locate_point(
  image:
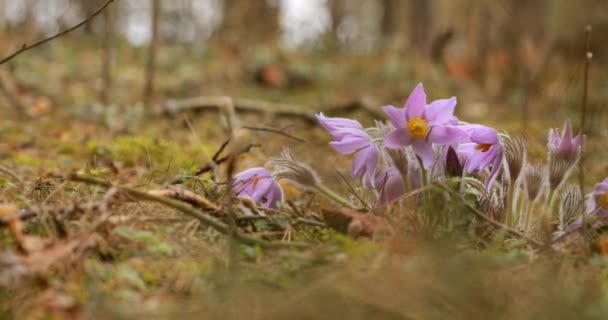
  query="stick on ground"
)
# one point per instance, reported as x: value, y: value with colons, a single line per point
x: 189, y: 211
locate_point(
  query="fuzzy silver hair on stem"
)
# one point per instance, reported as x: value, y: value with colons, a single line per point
x: 534, y: 175
x: 287, y: 167
x: 515, y: 154
x: 571, y: 206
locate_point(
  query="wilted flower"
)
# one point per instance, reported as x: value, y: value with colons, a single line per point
x: 350, y: 137
x: 483, y: 150
x: 564, y: 151
x: 420, y: 125
x: 599, y: 198
x: 389, y: 184
x: 258, y: 184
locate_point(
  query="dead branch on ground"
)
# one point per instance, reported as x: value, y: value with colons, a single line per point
x: 306, y: 113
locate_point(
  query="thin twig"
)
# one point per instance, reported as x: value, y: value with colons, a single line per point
x: 188, y: 210
x: 186, y: 196
x: 8, y: 172
x: 485, y: 217
x: 588, y: 57
x: 26, y: 47
x: 274, y: 130
x: 353, y: 191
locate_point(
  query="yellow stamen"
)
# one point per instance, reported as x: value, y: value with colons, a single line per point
x: 418, y: 127
x: 484, y: 147
x: 602, y: 200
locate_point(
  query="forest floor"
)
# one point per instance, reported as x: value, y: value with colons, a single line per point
x: 147, y: 260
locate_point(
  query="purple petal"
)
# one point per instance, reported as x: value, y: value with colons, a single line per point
x: 416, y: 103
x: 566, y: 143
x: 258, y: 184
x: 425, y: 151
x: 601, y: 187
x: 481, y: 134
x: 390, y: 186
x: 496, y: 167
x: 440, y: 111
x: 396, y: 115
x: 335, y: 126
x: 350, y: 144
x: 398, y: 139
x: 447, y: 135
x: 365, y: 163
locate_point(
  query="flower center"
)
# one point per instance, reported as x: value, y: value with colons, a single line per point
x: 602, y: 201
x: 484, y: 147
x: 418, y: 127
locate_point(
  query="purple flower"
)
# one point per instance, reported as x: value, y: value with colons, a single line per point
x: 599, y: 198
x: 389, y: 185
x: 258, y: 184
x: 350, y: 137
x: 483, y: 150
x: 565, y: 145
x: 420, y: 125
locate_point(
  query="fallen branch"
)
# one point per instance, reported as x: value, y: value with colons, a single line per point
x: 25, y: 47
x: 186, y: 196
x: 190, y: 211
x: 306, y: 113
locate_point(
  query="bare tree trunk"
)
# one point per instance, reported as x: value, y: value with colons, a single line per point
x: 248, y: 22
x: 151, y: 65
x: 420, y: 24
x: 106, y: 65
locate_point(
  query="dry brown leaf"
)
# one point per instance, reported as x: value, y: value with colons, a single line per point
x: 353, y: 223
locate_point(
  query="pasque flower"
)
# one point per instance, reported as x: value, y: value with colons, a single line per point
x: 564, y: 151
x: 565, y: 145
x: 420, y: 125
x: 599, y: 198
x: 350, y: 137
x: 258, y: 184
x: 483, y: 150
x: 389, y: 184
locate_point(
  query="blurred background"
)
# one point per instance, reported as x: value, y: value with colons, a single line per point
x: 514, y: 64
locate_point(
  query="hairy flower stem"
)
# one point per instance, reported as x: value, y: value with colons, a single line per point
x: 528, y: 215
x: 550, y: 197
x: 331, y: 195
x: 509, y: 208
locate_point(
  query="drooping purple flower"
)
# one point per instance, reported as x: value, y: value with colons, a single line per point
x: 420, y: 125
x: 565, y: 146
x: 599, y: 198
x: 258, y: 184
x: 350, y: 137
x: 483, y: 150
x: 389, y: 184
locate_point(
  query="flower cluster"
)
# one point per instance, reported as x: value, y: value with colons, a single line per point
x: 420, y: 132
x: 423, y: 143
